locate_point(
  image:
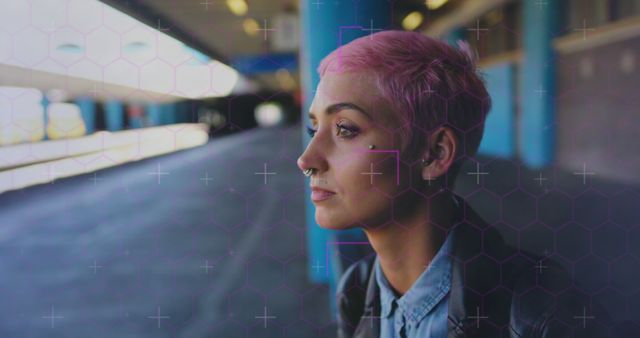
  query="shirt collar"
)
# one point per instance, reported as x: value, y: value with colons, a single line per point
x: 425, y: 293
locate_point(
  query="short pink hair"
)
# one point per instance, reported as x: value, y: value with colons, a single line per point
x: 426, y: 81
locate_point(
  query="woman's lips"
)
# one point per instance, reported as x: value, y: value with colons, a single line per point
x: 320, y: 194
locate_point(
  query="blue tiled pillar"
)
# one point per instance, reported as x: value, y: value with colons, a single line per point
x: 324, y: 25
x: 453, y: 36
x: 45, y: 105
x: 536, y: 128
x: 88, y: 110
x: 169, y: 113
x: 114, y: 115
x: 154, y: 114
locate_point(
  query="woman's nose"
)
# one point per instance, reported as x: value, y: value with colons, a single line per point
x: 304, y: 161
x: 310, y: 158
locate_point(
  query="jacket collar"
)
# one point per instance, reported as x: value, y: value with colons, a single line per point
x: 428, y: 290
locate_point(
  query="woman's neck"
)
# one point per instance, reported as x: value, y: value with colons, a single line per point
x: 407, y: 248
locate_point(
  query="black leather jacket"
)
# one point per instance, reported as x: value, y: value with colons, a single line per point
x: 496, y: 291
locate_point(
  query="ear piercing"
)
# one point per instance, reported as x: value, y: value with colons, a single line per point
x: 372, y: 146
x: 425, y: 162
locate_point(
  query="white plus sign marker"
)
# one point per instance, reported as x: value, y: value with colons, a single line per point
x: 317, y: 266
x: 317, y: 4
x: 584, y: 173
x: 371, y: 318
x: 159, y: 173
x: 540, y: 91
x: 206, y: 178
x: 206, y: 4
x: 371, y: 29
x: 540, y: 179
x: 52, y: 317
x: 95, y: 267
x: 429, y: 90
x: 477, y: 317
x: 159, y: 317
x: 265, y: 29
x: 584, y: 29
x: 429, y: 178
x: 265, y: 173
x: 371, y: 173
x: 53, y: 174
x: 52, y: 29
x: 477, y: 173
x: 95, y: 179
x: 584, y: 317
x: 540, y: 4
x: 265, y: 317
x: 477, y: 29
x: 95, y: 91
x: 206, y: 266
x: 160, y: 28
x: 539, y: 266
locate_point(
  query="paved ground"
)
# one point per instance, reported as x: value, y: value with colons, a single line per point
x: 209, y: 255
x: 207, y: 247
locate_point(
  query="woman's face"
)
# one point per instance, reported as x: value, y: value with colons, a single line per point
x: 347, y: 115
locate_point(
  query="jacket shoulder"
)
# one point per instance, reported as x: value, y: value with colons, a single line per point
x: 547, y: 303
x: 350, y: 295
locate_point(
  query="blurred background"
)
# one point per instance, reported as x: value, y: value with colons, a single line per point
x: 148, y: 177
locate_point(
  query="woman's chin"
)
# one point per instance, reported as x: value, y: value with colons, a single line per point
x: 332, y: 224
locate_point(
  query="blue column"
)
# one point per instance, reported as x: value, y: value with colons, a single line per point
x: 324, y: 24
x: 88, y: 110
x: 154, y: 114
x: 45, y: 105
x: 536, y: 127
x: 183, y: 111
x: 499, y: 127
x: 114, y: 115
x: 454, y: 35
x: 169, y: 113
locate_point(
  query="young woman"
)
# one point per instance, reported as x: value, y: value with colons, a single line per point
x: 394, y: 116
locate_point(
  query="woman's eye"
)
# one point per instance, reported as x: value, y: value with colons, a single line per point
x: 343, y: 131
x: 310, y: 131
x: 346, y: 132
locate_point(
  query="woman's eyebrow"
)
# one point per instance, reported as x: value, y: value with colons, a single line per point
x: 336, y: 107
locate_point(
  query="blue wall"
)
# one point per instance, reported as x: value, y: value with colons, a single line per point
x: 499, y: 133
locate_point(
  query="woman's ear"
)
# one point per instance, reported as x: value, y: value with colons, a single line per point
x: 440, y: 153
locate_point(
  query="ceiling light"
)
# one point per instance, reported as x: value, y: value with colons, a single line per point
x: 412, y: 21
x: 435, y: 4
x: 269, y: 114
x: 238, y: 7
x: 70, y: 48
x: 136, y: 46
x: 250, y: 26
x: 285, y: 80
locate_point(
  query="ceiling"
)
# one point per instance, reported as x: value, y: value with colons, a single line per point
x: 210, y: 27
x: 57, y: 49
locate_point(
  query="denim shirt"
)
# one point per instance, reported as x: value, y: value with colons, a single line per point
x: 422, y: 311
